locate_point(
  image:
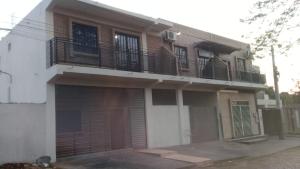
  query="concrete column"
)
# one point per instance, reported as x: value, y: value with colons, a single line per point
x: 145, y: 49
x: 261, y: 123
x: 181, y: 115
x: 50, y: 123
x: 148, y: 107
x: 219, y: 118
x: 296, y: 112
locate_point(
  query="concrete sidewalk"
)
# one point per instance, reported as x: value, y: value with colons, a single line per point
x: 216, y: 151
x: 229, y: 150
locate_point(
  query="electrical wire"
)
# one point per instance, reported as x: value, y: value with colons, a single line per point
x: 50, y: 28
x: 58, y: 26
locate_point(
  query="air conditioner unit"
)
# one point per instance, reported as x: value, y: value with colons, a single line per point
x: 170, y: 36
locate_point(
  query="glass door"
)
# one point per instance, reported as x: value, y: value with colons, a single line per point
x: 127, y: 52
x: 241, y: 119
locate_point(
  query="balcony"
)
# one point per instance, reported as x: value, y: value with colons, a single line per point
x: 213, y: 69
x: 251, y: 77
x: 65, y: 51
x: 160, y: 61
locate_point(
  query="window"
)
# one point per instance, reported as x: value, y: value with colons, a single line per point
x: 127, y: 51
x: 242, y: 103
x: 181, y: 53
x: 205, y: 53
x: 9, y: 47
x: 241, y: 64
x: 164, y: 97
x: 85, y: 38
x: 205, y: 63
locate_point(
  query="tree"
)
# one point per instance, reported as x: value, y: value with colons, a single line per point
x: 270, y: 92
x: 274, y: 22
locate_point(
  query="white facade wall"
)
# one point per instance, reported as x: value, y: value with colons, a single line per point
x: 164, y: 126
x: 26, y: 59
x: 22, y: 132
x: 167, y: 125
x: 24, y: 123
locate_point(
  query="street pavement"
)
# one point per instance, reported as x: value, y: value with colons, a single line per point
x: 287, y: 159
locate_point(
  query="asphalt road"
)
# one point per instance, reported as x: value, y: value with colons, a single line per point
x: 288, y: 159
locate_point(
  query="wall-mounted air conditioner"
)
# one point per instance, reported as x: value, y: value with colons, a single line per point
x: 170, y: 36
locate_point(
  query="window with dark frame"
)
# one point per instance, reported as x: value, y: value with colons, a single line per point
x: 85, y: 38
x: 181, y: 53
x: 164, y: 97
x: 205, y: 63
x: 241, y: 64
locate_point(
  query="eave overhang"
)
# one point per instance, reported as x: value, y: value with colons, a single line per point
x: 73, y: 75
x: 216, y: 47
x: 113, y: 14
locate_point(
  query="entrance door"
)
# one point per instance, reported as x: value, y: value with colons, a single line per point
x: 204, y: 125
x: 241, y: 119
x: 127, y: 52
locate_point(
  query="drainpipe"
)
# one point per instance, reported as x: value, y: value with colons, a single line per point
x: 9, y: 87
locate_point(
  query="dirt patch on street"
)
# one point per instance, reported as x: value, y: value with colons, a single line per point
x: 25, y: 166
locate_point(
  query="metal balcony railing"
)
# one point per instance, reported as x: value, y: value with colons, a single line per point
x: 160, y: 61
x: 213, y: 69
x: 251, y: 77
x: 62, y: 50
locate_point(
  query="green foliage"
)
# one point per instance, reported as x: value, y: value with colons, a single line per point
x: 270, y: 91
x: 273, y: 20
x: 290, y: 99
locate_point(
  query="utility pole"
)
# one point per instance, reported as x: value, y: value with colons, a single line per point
x: 277, y: 96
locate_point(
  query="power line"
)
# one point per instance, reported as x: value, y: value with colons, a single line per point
x: 5, y: 29
x: 47, y: 27
x: 58, y: 26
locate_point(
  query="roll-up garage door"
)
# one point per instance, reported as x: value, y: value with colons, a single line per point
x: 203, y: 115
x: 93, y: 119
x: 203, y: 124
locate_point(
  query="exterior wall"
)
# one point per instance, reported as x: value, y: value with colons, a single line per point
x: 167, y: 125
x: 25, y: 134
x: 190, y: 36
x: 22, y: 132
x: 26, y: 60
x: 164, y: 127
x: 225, y: 110
x: 63, y: 19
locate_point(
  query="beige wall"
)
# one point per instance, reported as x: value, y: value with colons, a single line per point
x: 188, y: 38
x: 63, y: 19
x: 224, y: 104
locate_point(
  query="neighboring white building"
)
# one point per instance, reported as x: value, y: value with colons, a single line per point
x: 264, y: 101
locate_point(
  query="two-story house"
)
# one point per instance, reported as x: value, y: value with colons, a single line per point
x: 87, y: 77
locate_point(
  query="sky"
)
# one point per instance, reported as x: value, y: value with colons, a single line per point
x: 215, y: 16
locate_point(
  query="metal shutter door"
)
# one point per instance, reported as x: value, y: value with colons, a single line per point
x: 137, y: 118
x: 94, y: 119
x: 203, y: 124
